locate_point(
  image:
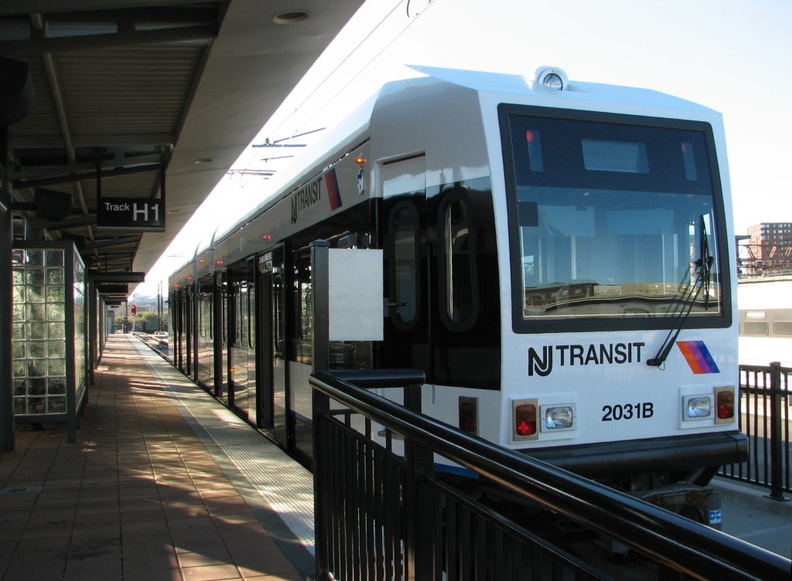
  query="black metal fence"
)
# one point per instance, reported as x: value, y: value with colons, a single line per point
x: 382, y: 515
x: 764, y: 418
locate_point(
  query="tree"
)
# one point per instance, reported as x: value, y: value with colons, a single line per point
x: 146, y: 322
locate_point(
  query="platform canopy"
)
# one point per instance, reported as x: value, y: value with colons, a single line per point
x: 129, y: 91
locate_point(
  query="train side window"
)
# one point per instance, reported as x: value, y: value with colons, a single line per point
x: 249, y: 302
x: 224, y: 323
x: 201, y: 330
x: 303, y: 324
x: 403, y: 291
x: 277, y: 315
x: 458, y: 280
x: 209, y: 315
x: 205, y: 314
x: 241, y: 315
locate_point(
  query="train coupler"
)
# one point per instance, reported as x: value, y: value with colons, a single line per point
x: 698, y: 503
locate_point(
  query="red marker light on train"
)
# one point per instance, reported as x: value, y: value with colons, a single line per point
x: 468, y: 414
x: 525, y: 420
x: 360, y: 160
x: 725, y: 404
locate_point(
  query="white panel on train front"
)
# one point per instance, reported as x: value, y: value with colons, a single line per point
x: 404, y: 176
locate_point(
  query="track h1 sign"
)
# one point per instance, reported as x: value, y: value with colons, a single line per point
x: 134, y: 213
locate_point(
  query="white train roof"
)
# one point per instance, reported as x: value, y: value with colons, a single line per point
x: 506, y: 87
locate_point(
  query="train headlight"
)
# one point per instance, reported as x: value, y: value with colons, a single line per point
x: 718, y: 406
x: 697, y: 407
x: 551, y: 78
x: 558, y: 417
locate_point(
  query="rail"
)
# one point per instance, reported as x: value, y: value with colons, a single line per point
x: 386, y: 515
x: 765, y: 419
x: 158, y: 342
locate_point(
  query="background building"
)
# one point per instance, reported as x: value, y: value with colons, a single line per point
x: 767, y: 250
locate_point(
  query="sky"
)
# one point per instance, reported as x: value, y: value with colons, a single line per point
x: 734, y: 56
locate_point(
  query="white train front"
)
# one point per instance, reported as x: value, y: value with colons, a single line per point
x: 556, y: 258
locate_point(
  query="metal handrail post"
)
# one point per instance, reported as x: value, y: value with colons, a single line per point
x: 776, y: 439
x: 320, y: 359
x: 419, y: 461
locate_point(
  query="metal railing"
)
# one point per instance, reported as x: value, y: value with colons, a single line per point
x: 765, y: 419
x: 387, y: 516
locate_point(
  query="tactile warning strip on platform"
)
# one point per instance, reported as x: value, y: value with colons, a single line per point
x: 276, y: 487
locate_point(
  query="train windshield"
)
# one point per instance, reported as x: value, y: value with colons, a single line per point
x: 611, y: 218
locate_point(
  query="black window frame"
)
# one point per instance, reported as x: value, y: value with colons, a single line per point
x: 467, y: 319
x: 402, y: 323
x: 583, y: 324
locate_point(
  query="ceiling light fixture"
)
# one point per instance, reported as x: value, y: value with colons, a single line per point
x: 291, y: 17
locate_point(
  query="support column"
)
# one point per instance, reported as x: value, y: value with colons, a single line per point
x: 16, y: 95
x: 7, y: 441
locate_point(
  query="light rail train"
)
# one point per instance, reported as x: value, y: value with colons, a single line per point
x: 556, y: 257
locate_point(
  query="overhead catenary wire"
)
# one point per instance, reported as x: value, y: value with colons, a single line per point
x: 327, y: 78
x: 353, y: 51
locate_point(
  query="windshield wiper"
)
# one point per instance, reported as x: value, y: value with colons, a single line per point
x: 703, y: 268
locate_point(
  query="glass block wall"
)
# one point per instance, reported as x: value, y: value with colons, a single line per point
x: 80, y: 329
x: 49, y: 351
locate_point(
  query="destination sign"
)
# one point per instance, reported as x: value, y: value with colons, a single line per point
x: 135, y: 213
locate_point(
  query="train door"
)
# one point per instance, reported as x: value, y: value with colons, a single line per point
x: 407, y: 256
x: 189, y: 316
x: 299, y: 401
x: 221, y: 335
x: 175, y: 309
x: 250, y: 408
x: 271, y: 352
x: 205, y: 333
x: 238, y: 338
x: 241, y: 338
x: 180, y: 328
x: 441, y: 278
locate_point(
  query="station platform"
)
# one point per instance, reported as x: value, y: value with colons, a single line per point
x: 164, y: 482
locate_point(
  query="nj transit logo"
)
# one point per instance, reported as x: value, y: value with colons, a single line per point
x: 698, y: 357
x: 541, y: 363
